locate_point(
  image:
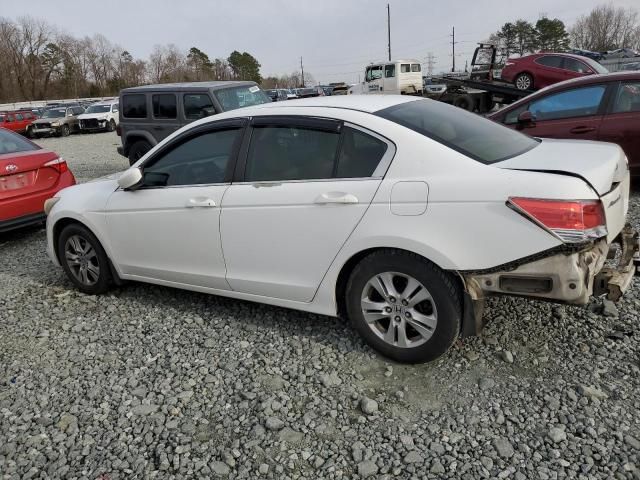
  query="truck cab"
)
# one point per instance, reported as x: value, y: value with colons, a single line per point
x: 399, y: 77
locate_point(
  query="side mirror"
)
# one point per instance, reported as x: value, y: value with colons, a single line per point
x: 526, y: 119
x: 208, y: 111
x: 130, y: 179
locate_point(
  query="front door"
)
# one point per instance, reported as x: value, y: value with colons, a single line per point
x: 306, y: 184
x: 622, y: 123
x: 169, y: 228
x: 572, y: 114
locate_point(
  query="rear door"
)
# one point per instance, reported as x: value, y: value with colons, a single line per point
x: 549, y: 71
x: 303, y: 188
x: 622, y: 121
x: 574, y: 113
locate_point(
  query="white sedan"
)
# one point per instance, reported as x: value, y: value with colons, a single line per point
x: 400, y: 213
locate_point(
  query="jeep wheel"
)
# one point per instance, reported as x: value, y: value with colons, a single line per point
x: 138, y: 150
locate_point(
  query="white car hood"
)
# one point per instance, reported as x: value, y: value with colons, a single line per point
x: 599, y: 164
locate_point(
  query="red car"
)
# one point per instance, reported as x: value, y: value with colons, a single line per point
x: 18, y: 121
x: 598, y: 107
x: 537, y: 71
x: 29, y: 175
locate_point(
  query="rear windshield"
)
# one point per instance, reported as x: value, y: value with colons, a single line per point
x: 470, y: 134
x: 238, y: 97
x: 12, y: 143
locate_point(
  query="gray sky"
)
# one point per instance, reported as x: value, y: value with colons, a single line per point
x: 336, y: 38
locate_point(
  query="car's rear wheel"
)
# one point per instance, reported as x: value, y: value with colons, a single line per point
x: 524, y: 81
x: 404, y: 306
x: 138, y: 150
x: 111, y: 126
x: 83, y: 259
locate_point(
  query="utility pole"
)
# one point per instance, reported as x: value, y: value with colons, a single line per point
x: 389, y: 29
x: 302, y: 68
x: 453, y: 48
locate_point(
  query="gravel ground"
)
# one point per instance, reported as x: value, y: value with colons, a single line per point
x: 150, y: 382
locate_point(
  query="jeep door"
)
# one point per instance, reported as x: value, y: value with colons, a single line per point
x: 164, y: 115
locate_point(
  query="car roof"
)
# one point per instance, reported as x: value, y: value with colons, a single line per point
x: 171, y: 87
x: 362, y: 103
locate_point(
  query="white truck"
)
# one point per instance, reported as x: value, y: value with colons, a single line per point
x: 397, y: 77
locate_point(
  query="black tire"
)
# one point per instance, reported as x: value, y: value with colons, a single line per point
x: 445, y: 296
x: 100, y: 260
x: 111, y: 126
x: 64, y: 131
x: 465, y: 102
x: 138, y: 150
x: 523, y: 81
x: 29, y: 133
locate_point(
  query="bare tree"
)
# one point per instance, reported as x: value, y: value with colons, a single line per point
x: 607, y: 28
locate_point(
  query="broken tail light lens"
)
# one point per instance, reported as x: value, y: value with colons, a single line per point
x: 572, y: 221
x: 59, y: 165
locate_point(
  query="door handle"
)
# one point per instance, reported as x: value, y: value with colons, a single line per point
x: 337, y: 197
x: 157, y: 127
x: 200, y: 202
x: 582, y: 129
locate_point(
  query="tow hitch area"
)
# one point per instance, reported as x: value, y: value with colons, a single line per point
x: 613, y: 281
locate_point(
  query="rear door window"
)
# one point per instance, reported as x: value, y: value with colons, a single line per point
x: 627, y: 98
x: 550, y: 61
x: 134, y: 106
x: 578, y: 102
x: 164, y: 106
x: 281, y: 152
x: 360, y: 154
x: 576, y: 66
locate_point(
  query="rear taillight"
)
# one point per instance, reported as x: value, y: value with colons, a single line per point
x: 570, y: 220
x: 58, y: 164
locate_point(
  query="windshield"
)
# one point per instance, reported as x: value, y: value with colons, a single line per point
x: 238, y: 97
x: 474, y: 136
x: 98, y: 109
x: 13, y: 143
x: 56, y: 113
x: 595, y: 65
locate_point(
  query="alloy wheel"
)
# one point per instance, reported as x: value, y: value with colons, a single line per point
x: 399, y: 309
x: 82, y: 260
x: 523, y: 82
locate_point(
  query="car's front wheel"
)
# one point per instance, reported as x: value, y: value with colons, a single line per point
x: 83, y: 259
x: 404, y: 306
x: 524, y: 81
x: 111, y: 126
x: 64, y: 131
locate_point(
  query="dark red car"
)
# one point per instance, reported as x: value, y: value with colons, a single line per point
x: 540, y: 70
x: 598, y: 107
x: 29, y: 175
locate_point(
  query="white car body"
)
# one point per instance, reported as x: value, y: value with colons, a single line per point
x: 286, y: 243
x: 89, y: 121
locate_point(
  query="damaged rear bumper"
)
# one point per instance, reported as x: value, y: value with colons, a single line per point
x: 566, y: 277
